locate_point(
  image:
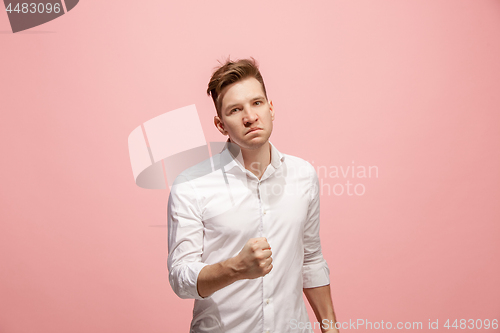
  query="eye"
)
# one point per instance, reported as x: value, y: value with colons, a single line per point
x: 258, y: 103
x: 234, y: 110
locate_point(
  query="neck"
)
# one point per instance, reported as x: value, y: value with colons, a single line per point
x: 257, y: 160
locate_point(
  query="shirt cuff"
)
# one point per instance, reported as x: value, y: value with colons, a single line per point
x: 188, y: 280
x: 315, y: 275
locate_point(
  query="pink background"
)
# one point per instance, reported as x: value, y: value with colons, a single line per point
x: 411, y: 87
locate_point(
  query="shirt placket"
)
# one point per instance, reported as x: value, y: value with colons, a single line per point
x: 267, y: 283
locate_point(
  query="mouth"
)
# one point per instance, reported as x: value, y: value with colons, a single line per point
x: 254, y: 130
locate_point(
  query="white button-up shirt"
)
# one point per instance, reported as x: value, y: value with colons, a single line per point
x: 214, y: 208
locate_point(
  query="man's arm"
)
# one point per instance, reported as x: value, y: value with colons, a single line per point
x: 188, y: 275
x: 253, y: 261
x: 315, y: 271
x: 321, y: 303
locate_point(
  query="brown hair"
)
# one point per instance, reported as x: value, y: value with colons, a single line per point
x: 231, y: 72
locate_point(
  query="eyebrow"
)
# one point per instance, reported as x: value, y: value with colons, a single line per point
x: 229, y: 107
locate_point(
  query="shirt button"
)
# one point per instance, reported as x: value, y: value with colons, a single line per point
x: 264, y: 212
x: 267, y: 301
x: 268, y: 331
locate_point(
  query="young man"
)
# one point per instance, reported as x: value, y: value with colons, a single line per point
x: 244, y: 226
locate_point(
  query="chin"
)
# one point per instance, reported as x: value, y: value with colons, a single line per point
x: 251, y: 143
x: 255, y: 143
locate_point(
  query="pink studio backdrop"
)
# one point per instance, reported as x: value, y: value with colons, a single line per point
x: 408, y: 87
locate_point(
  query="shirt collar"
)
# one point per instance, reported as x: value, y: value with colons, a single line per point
x: 231, y: 157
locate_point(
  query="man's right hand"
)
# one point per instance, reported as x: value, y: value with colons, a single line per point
x: 254, y: 260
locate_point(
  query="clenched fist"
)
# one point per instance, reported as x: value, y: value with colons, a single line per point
x: 254, y: 260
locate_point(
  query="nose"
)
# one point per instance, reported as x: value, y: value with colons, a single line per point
x: 249, y: 115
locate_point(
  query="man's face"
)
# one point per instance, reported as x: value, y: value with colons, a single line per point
x: 246, y: 115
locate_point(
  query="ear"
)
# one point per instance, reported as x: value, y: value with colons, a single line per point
x: 271, y: 109
x: 219, y: 125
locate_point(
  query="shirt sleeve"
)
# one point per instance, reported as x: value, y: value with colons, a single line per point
x: 185, y: 239
x: 315, y: 271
